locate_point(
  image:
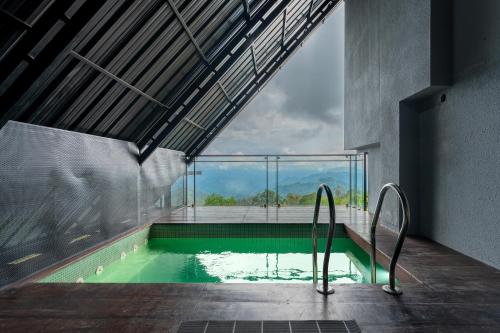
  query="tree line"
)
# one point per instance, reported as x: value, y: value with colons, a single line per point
x: 341, y: 197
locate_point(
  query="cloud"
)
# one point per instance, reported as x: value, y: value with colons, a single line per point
x: 301, y: 108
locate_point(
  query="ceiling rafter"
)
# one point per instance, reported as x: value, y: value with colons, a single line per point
x: 16, y: 20
x: 283, y: 30
x: 254, y: 60
x: 189, y: 121
x: 311, y: 5
x: 246, y: 8
x: 116, y: 79
x: 188, y: 32
x: 228, y: 98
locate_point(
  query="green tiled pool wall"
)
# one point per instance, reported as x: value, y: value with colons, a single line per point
x: 253, y: 230
x: 87, y: 266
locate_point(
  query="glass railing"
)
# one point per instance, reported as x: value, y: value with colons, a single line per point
x: 275, y: 180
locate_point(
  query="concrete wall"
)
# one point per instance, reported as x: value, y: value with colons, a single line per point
x: 401, y: 57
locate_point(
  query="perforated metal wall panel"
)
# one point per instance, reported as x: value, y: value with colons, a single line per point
x: 161, y: 184
x: 63, y: 192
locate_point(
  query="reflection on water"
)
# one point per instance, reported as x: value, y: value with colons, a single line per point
x: 237, y: 260
x: 276, y: 267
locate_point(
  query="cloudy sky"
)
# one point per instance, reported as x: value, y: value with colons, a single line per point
x: 301, y: 108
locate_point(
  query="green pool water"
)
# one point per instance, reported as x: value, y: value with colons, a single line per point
x: 237, y: 260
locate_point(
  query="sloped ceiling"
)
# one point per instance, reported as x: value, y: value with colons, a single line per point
x: 161, y: 73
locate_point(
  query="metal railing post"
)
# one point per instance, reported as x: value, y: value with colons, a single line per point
x: 267, y: 183
x: 350, y: 180
x: 365, y: 203
x: 356, y: 203
x: 194, y: 182
x: 186, y: 188
x: 277, y: 189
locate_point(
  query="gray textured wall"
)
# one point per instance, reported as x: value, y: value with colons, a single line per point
x: 387, y: 59
x: 460, y: 141
x: 62, y: 192
x: 397, y: 61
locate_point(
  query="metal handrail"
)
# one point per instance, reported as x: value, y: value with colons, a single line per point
x: 324, y: 289
x: 391, y: 288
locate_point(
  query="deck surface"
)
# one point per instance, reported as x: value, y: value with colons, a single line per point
x: 456, y: 294
x: 252, y: 214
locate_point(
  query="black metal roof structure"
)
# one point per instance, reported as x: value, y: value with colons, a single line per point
x: 160, y: 73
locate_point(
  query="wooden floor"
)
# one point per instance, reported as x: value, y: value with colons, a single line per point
x: 455, y: 294
x: 252, y: 214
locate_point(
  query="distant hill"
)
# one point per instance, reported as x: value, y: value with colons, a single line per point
x: 305, y: 183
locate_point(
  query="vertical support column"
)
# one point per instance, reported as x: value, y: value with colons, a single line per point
x: 365, y: 202
x: 350, y: 180
x: 267, y: 183
x: 139, y: 195
x: 186, y: 188
x: 356, y: 203
x: 194, y: 182
x: 277, y: 187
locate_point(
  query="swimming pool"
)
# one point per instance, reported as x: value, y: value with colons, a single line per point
x: 224, y: 254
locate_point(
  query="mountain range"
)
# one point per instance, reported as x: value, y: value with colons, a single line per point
x: 241, y: 182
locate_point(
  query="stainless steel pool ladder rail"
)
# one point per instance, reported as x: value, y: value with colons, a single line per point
x: 391, y: 288
x: 323, y: 289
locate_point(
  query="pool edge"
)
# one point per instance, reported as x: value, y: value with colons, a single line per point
x: 383, y: 258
